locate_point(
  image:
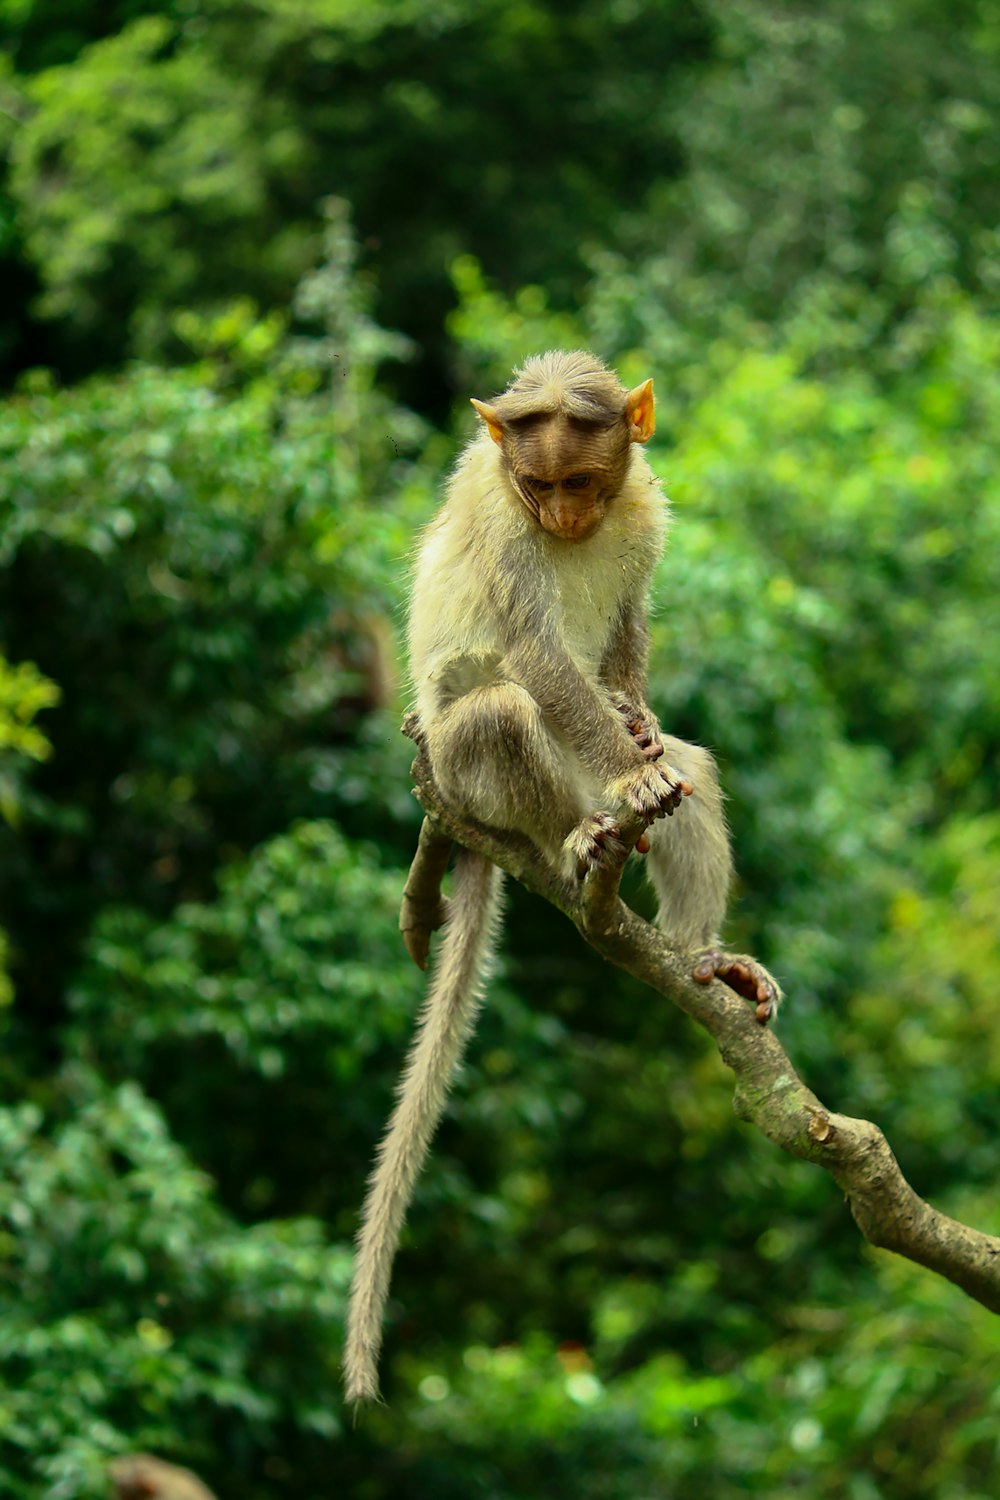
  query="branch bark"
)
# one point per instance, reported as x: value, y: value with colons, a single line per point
x: 768, y: 1091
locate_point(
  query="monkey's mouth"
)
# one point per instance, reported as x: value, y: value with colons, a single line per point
x: 571, y: 525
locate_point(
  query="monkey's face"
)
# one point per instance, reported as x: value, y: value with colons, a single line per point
x: 572, y: 507
x: 567, y: 472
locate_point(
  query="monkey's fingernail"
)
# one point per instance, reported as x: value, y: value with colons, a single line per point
x: 763, y: 1014
x: 642, y: 844
x: 687, y: 788
x: 702, y: 972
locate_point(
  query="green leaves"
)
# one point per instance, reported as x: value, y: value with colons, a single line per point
x: 297, y: 952
x: 607, y: 1288
x: 132, y: 1306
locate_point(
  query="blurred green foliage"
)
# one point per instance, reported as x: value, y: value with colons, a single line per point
x: 230, y: 118
x: 133, y: 1307
x: 609, y: 1287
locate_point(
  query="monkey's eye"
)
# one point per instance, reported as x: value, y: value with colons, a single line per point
x: 536, y: 486
x: 576, y: 482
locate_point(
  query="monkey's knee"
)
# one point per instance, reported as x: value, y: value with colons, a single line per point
x: 496, y: 726
x: 493, y: 757
x: 496, y: 760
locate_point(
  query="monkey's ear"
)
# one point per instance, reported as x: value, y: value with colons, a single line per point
x: 639, y: 413
x: 491, y: 417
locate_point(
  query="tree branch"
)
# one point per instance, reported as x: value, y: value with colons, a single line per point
x: 768, y: 1091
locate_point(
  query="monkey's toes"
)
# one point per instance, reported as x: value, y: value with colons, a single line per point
x: 742, y: 974
x: 417, y: 920
x: 594, y: 842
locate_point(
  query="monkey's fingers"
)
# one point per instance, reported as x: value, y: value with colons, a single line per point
x: 595, y: 841
x: 644, y: 732
x: 678, y: 789
x: 652, y: 791
x: 742, y: 974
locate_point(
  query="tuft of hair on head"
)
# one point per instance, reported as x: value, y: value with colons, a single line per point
x: 574, y: 383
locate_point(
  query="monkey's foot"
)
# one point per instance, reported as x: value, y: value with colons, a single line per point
x: 595, y: 842
x: 417, y: 920
x: 652, y: 791
x: 742, y: 974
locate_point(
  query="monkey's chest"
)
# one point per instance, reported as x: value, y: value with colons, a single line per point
x: 589, y: 606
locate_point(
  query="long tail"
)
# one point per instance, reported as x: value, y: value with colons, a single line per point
x: 445, y: 1025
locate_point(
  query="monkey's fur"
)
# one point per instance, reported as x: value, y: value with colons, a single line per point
x: 528, y: 651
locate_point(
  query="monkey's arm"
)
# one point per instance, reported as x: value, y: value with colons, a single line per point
x: 593, y: 726
x: 625, y: 666
x: 535, y: 657
x: 624, y: 670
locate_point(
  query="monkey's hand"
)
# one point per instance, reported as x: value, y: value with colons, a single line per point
x: 595, y: 841
x: 643, y: 728
x: 651, y: 791
x: 742, y: 974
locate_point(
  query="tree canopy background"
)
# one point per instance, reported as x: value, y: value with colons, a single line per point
x: 259, y: 254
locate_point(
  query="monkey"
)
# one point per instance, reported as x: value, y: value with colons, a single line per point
x: 528, y: 649
x: 143, y: 1477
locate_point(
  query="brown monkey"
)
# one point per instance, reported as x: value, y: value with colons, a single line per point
x: 528, y: 648
x: 143, y: 1477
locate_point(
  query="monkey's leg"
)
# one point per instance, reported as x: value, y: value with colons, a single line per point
x: 423, y: 908
x: 495, y: 759
x: 690, y: 866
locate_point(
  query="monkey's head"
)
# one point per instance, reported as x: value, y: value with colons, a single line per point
x: 565, y: 426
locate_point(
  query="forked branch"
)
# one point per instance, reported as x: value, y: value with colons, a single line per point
x: 768, y: 1091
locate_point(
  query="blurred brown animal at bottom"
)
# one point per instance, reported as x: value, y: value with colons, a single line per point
x: 143, y: 1477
